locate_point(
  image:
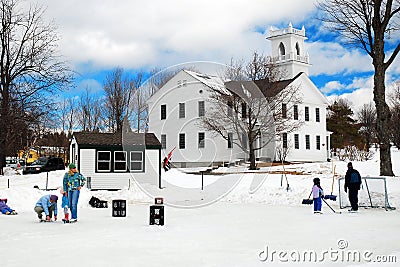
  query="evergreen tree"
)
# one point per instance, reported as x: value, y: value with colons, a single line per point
x: 343, y: 126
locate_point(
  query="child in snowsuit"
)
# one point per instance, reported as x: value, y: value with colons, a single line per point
x: 64, y: 205
x: 318, y: 193
x: 4, y: 209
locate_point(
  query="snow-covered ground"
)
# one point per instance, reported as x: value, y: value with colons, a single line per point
x: 265, y: 227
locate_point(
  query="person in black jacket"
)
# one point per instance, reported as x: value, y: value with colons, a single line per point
x: 353, y: 183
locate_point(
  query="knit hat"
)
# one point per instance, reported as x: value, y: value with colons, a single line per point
x: 316, y: 181
x: 349, y: 165
x: 4, y: 200
x: 54, y: 198
x: 71, y: 166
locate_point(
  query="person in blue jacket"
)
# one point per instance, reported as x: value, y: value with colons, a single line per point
x: 352, y: 182
x: 48, y: 205
x: 72, y: 184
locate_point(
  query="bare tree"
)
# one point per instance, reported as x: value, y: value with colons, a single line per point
x: 245, y: 111
x: 118, y: 92
x: 67, y: 114
x: 367, y: 118
x: 89, y: 112
x: 137, y: 103
x: 394, y: 96
x: 395, y: 109
x: 29, y: 64
x: 368, y: 24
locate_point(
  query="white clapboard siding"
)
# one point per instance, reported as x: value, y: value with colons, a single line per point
x: 115, y: 180
x: 110, y: 180
x: 87, y: 161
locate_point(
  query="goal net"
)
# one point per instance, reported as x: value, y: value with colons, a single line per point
x: 372, y: 194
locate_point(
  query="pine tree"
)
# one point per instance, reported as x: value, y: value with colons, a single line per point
x: 344, y: 127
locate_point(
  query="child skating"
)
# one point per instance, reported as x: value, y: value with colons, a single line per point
x: 318, y: 193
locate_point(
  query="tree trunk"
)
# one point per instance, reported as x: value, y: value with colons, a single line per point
x: 382, y: 109
x: 252, y: 158
x: 252, y: 155
x: 3, y: 130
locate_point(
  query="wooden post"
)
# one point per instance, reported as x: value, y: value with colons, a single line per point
x: 47, y: 180
x: 202, y: 180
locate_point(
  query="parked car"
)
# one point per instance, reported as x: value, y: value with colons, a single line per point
x: 45, y: 164
x: 15, y: 163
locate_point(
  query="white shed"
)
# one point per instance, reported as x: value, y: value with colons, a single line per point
x: 110, y: 160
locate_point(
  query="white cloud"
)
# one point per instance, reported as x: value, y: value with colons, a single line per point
x: 362, y: 92
x: 331, y: 58
x: 332, y: 86
x: 136, y: 34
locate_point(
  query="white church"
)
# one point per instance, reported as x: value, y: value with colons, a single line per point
x: 176, y: 109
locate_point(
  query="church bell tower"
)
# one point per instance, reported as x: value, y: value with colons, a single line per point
x: 288, y: 50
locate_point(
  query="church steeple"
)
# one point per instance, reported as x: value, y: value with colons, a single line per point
x: 288, y: 50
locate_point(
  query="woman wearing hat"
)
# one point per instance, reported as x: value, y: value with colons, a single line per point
x: 72, y: 184
x: 48, y: 205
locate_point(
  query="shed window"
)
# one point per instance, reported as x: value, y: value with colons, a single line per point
x: 136, y: 161
x: 120, y: 161
x: 104, y: 161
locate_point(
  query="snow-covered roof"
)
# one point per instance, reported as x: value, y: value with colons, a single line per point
x: 214, y: 82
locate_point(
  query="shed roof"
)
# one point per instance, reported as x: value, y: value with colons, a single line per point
x: 117, y: 139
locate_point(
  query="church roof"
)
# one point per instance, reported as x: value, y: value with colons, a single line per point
x: 270, y: 89
x: 254, y: 88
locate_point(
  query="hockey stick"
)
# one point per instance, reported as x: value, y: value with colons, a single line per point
x: 334, y: 211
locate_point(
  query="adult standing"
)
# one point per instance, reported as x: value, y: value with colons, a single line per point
x: 72, y: 184
x: 353, y: 183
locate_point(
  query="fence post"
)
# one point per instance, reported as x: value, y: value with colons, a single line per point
x: 89, y: 182
x: 47, y: 180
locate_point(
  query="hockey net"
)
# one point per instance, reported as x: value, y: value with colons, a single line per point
x: 372, y: 194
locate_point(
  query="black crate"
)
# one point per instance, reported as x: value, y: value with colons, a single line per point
x: 156, y: 215
x: 102, y: 204
x: 158, y: 201
x: 119, y: 208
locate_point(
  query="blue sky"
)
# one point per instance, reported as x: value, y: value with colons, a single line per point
x: 98, y: 36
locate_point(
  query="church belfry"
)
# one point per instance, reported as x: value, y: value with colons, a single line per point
x: 288, y: 50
